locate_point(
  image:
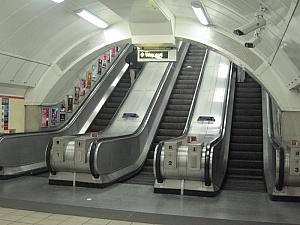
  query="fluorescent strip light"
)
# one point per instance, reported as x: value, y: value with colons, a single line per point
x: 58, y: 1
x: 200, y: 14
x: 92, y: 18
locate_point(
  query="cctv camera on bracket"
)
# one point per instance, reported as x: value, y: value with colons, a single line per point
x: 250, y: 27
x: 253, y: 41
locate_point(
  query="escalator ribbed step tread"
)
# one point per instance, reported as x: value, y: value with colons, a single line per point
x: 163, y: 138
x: 246, y: 147
x: 247, y: 139
x: 247, y: 85
x: 104, y: 116
x: 169, y: 132
x: 181, y: 96
x: 172, y: 119
x: 246, y: 132
x: 238, y: 155
x: 178, y: 113
x: 176, y: 126
x: 248, y: 100
x: 247, y: 164
x: 246, y: 125
x: 247, y: 106
x: 178, y: 107
x: 238, y: 118
x: 244, y: 172
x: 180, y: 101
x: 247, y: 112
x: 248, y: 95
x: 247, y: 185
x: 183, y: 91
x: 248, y: 90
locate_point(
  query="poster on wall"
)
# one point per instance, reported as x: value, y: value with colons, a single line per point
x: 89, y: 80
x: 62, y: 107
x: 104, y: 61
x: 45, y: 117
x: 76, y: 95
x: 62, y: 117
x: 54, y: 116
x: 95, y: 71
x: 5, y: 113
x: 70, y: 103
x: 113, y: 52
x: 99, y: 66
x: 82, y: 88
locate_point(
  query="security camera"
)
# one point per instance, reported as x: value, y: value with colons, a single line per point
x: 250, y: 27
x: 253, y: 42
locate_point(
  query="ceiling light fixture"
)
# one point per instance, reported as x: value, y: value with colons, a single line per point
x: 199, y: 11
x: 58, y: 1
x: 91, y: 18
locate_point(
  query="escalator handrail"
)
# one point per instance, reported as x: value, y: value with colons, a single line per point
x: 92, y: 160
x: 280, y: 182
x: 48, y: 157
x: 219, y: 138
x: 159, y: 177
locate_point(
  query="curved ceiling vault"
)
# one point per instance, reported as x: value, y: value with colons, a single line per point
x: 43, y: 42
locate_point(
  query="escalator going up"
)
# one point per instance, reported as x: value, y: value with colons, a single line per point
x: 245, y: 161
x: 176, y: 113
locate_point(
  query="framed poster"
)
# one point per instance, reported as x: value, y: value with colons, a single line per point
x: 95, y: 71
x: 70, y: 103
x: 82, y: 88
x: 62, y: 117
x: 76, y: 95
x: 5, y: 113
x: 113, y: 52
x: 89, y: 80
x: 99, y: 66
x: 54, y: 116
x: 45, y: 117
x: 104, y: 61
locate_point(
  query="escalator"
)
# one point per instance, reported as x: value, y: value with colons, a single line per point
x: 177, y: 110
x: 112, y: 104
x: 245, y: 161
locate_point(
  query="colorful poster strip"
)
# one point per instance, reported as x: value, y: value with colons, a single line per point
x: 45, y: 117
x: 5, y: 113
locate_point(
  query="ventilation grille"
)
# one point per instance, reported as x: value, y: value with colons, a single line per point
x: 235, y: 48
x: 80, y: 50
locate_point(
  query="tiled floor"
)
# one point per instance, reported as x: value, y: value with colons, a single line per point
x: 31, y: 200
x: 25, y: 217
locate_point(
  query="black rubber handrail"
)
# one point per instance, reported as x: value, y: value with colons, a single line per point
x: 279, y: 185
x: 48, y: 157
x: 157, y: 163
x: 92, y: 161
x: 214, y: 142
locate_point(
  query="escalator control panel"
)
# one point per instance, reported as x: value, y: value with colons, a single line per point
x: 59, y: 147
x: 294, y: 151
x: 82, y: 145
x: 170, y: 154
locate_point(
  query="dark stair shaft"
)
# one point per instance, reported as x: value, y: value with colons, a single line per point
x: 245, y: 161
x: 111, y: 105
x: 176, y: 113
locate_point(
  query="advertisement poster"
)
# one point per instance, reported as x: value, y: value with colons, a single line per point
x: 5, y: 113
x: 76, y: 95
x: 99, y: 66
x: 113, y: 52
x: 95, y: 71
x: 70, y: 103
x: 82, y: 88
x: 89, y: 80
x: 62, y: 117
x: 62, y: 107
x: 54, y: 117
x: 109, y: 56
x: 104, y: 61
x: 45, y: 117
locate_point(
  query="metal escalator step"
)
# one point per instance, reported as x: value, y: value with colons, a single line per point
x: 248, y: 90
x: 246, y: 125
x: 104, y: 116
x: 188, y: 77
x: 246, y: 106
x: 108, y: 110
x: 176, y: 126
x: 163, y: 138
x: 248, y: 95
x: 176, y: 113
x: 101, y: 122
x: 181, y: 96
x: 247, y: 139
x: 180, y: 102
x: 239, y: 172
x: 115, y: 99
x: 247, y: 185
x: 172, y: 119
x: 245, y: 164
x: 118, y: 94
x: 248, y: 85
x: 247, y: 112
x: 246, y: 132
x: 183, y: 91
x: 178, y: 107
x: 112, y: 104
x: 238, y: 118
x: 169, y: 132
x: 246, y: 147
x: 238, y: 155
x: 96, y: 128
x: 248, y: 100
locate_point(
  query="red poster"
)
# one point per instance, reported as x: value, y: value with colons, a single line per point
x: 113, y: 52
x: 76, y: 95
x: 45, y: 117
x: 82, y: 88
x: 70, y: 103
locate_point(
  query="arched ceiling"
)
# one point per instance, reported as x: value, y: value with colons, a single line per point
x: 42, y: 41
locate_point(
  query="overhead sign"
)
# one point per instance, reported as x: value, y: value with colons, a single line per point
x: 157, y: 55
